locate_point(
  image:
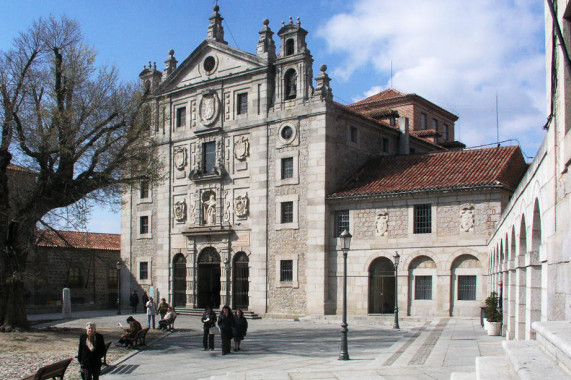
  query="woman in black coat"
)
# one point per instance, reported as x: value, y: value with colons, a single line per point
x: 208, y: 321
x: 226, y: 322
x: 91, y: 350
x: 240, y: 328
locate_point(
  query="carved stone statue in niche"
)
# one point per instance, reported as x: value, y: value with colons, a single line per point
x: 241, y: 205
x: 209, y: 209
x: 382, y: 222
x: 467, y: 217
x: 242, y: 148
x: 180, y: 158
x: 180, y: 211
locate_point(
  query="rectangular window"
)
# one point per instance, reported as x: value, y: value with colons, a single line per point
x: 341, y: 222
x: 287, y: 212
x: 242, y: 107
x: 209, y: 157
x: 423, y: 219
x: 287, y: 167
x: 393, y: 121
x: 74, y: 276
x: 144, y: 189
x: 144, y: 225
x: 423, y: 121
x: 143, y: 270
x: 354, y: 136
x: 467, y: 288
x: 181, y: 117
x: 446, y: 132
x: 286, y: 270
x: 435, y: 124
x: 385, y: 145
x: 423, y: 287
x: 112, y: 277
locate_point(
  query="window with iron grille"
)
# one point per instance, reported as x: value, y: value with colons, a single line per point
x: 144, y: 189
x: 341, y: 221
x: 243, y: 103
x: 423, y: 118
x: 467, y: 288
x: 423, y: 287
x: 144, y: 225
x: 435, y: 124
x: 143, y: 270
x: 287, y: 167
x: 209, y: 157
x: 112, y: 277
x: 286, y: 270
x: 354, y: 134
x: 423, y: 219
x: 181, y: 117
x: 74, y: 276
x: 287, y: 212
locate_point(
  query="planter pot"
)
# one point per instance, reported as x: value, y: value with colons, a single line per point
x: 493, y: 328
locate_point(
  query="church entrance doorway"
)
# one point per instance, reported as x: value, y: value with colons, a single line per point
x: 209, y: 278
x: 382, y: 286
x: 240, y: 286
x: 179, y: 276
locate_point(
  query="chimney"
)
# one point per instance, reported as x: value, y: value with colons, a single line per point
x: 404, y: 144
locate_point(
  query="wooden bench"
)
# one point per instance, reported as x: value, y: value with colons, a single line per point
x: 51, y: 371
x: 140, y: 340
x: 107, y: 345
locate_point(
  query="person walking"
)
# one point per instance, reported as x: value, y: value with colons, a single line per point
x: 163, y: 308
x: 91, y: 350
x: 209, y: 326
x: 240, y: 328
x: 226, y: 322
x: 134, y: 301
x: 151, y: 312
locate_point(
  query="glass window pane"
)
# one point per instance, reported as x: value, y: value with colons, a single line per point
x: 209, y: 157
x: 423, y: 287
x: 423, y: 219
x: 286, y: 270
x: 287, y: 167
x: 341, y: 222
x: 287, y: 212
x: 467, y: 288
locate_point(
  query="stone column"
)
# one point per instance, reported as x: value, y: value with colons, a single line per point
x: 520, y: 298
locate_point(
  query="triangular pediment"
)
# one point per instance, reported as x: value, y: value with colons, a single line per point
x: 211, y: 61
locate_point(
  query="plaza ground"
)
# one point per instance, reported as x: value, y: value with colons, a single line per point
x: 307, y: 349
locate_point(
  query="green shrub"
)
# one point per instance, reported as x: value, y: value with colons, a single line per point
x: 493, y: 313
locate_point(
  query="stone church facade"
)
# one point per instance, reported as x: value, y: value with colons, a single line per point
x: 258, y: 156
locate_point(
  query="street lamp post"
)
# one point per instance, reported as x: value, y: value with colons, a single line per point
x: 397, y: 259
x: 345, y: 245
x: 227, y: 268
x: 118, y: 266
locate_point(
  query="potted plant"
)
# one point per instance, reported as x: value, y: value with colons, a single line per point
x: 494, y: 315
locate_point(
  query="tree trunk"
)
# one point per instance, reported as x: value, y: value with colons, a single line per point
x: 12, y: 303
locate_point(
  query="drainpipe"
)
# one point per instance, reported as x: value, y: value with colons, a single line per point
x: 404, y: 142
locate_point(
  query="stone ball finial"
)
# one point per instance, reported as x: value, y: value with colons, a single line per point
x: 266, y: 22
x: 290, y: 20
x: 171, y: 52
x: 216, y: 8
x: 323, y: 68
x: 298, y: 21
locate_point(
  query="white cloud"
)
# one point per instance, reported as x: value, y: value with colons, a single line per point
x: 458, y: 54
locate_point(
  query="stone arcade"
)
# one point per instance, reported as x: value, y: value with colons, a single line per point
x: 258, y: 156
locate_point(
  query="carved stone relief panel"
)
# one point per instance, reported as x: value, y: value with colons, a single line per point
x: 467, y: 217
x: 382, y: 222
x: 227, y: 107
x: 227, y: 208
x: 209, y: 107
x: 241, y: 148
x: 241, y: 206
x: 180, y: 210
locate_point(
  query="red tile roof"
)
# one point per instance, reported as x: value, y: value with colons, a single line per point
x: 80, y: 240
x: 426, y: 133
x: 383, y: 95
x: 500, y: 167
x: 18, y: 168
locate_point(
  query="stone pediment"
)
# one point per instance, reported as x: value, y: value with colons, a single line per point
x: 211, y: 61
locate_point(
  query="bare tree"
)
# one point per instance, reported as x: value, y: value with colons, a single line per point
x: 75, y: 126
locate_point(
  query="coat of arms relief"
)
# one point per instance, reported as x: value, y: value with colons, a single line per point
x: 208, y: 109
x: 241, y: 148
x: 241, y: 206
x: 467, y: 217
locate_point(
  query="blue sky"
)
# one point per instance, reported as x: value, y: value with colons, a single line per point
x: 458, y: 54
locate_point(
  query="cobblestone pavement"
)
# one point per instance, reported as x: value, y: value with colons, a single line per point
x: 286, y: 349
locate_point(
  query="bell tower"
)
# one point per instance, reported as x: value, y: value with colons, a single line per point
x: 294, y: 72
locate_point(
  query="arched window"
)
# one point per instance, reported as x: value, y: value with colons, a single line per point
x: 290, y: 84
x: 289, y: 47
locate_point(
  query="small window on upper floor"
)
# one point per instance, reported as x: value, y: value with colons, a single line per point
x: 423, y: 218
x: 181, y: 117
x: 208, y: 157
x: 385, y: 145
x: 341, y: 222
x: 144, y: 191
x: 354, y: 134
x: 435, y: 124
x: 286, y: 270
x: 287, y: 212
x: 423, y: 121
x: 144, y: 270
x: 242, y: 106
x: 290, y: 47
x: 287, y: 168
x: 446, y: 132
x: 393, y: 121
x: 144, y: 225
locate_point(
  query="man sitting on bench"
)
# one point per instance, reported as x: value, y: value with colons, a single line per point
x: 130, y: 334
x: 170, y: 316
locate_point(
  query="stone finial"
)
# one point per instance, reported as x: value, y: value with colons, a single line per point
x: 215, y: 29
x: 298, y: 22
x: 266, y: 47
x: 322, y: 89
x: 290, y: 20
x: 170, y: 64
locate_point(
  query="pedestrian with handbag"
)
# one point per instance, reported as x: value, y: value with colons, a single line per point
x: 209, y: 326
x: 226, y: 323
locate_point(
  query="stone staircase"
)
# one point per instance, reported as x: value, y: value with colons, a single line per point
x: 546, y: 358
x: 198, y: 312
